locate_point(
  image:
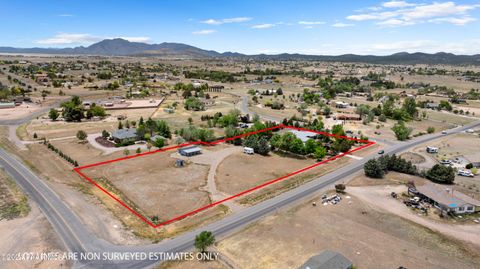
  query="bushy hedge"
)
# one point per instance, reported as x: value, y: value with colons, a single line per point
x: 60, y: 153
x: 377, y: 168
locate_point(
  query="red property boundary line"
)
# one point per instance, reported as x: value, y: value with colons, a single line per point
x: 78, y: 170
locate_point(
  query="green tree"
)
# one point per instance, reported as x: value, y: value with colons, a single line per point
x: 139, y: 150
x: 431, y: 130
x: 204, y: 240
x: 320, y: 153
x: 401, y: 131
x: 340, y: 188
x: 410, y: 107
x: 159, y: 142
x: 441, y: 174
x: 81, y: 135
x: 263, y: 146
x: 163, y: 129
x: 105, y: 134
x: 373, y: 168
x: 53, y: 114
x: 97, y: 111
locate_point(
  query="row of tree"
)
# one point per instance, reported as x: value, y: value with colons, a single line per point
x: 377, y: 168
x: 60, y: 153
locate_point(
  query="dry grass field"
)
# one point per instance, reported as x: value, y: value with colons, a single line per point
x: 155, y: 185
x: 240, y: 171
x: 370, y: 238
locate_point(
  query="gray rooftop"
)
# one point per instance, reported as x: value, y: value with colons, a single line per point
x: 125, y: 133
x: 451, y: 199
x: 303, y: 135
x: 327, y: 260
x: 190, y: 149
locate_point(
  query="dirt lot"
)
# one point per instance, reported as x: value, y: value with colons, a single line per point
x: 103, y: 215
x: 155, y: 185
x: 415, y: 158
x: 369, y: 237
x: 192, y: 264
x: 179, y: 118
x: 379, y: 196
x: 49, y: 129
x: 240, y: 171
x: 13, y: 202
x: 27, y: 230
x: 463, y: 145
x: 32, y: 233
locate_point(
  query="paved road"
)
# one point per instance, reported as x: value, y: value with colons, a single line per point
x: 78, y: 238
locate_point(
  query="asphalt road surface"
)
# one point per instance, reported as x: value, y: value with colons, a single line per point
x: 79, y: 239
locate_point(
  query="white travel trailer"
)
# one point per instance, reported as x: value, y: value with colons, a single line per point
x: 248, y: 150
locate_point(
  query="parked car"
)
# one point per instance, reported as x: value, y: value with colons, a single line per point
x: 446, y: 162
x: 381, y: 152
x: 465, y: 173
x: 444, y: 132
x: 470, y: 131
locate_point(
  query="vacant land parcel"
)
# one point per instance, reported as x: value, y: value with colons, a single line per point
x: 165, y: 184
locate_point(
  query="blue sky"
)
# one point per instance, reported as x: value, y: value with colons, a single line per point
x: 261, y: 26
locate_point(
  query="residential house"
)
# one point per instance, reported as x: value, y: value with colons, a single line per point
x: 125, y: 135
x: 327, y: 260
x: 447, y: 199
x: 303, y: 135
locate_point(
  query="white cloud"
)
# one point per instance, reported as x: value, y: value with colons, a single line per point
x: 237, y: 20
x: 402, y: 13
x: 263, y: 26
x: 69, y: 38
x: 311, y: 22
x: 204, y: 32
x: 228, y: 20
x: 456, y: 21
x: 64, y: 38
x: 142, y: 39
x: 341, y: 25
x: 396, y: 4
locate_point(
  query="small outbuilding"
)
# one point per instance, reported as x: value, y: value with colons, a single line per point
x: 327, y: 260
x: 190, y: 151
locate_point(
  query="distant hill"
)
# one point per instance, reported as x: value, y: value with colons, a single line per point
x: 122, y: 47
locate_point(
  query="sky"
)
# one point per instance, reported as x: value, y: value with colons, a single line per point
x: 320, y: 27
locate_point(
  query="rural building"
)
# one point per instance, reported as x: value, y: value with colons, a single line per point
x: 7, y: 105
x: 42, y: 79
x: 190, y: 151
x: 327, y: 260
x: 303, y: 135
x: 341, y: 104
x: 347, y: 117
x: 215, y: 88
x: 448, y: 200
x: 125, y: 135
x: 432, y: 105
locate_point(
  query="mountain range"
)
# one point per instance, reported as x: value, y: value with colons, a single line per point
x: 122, y: 47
